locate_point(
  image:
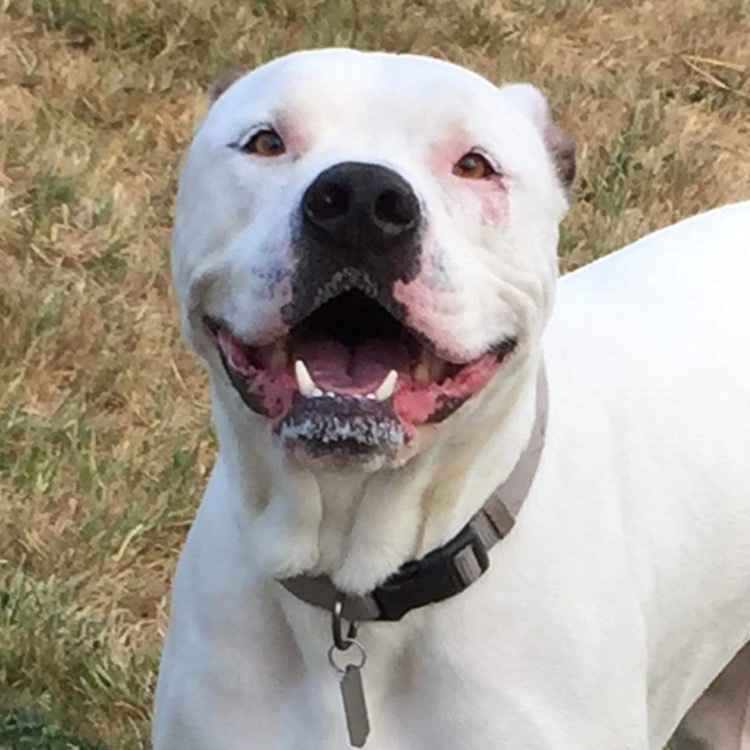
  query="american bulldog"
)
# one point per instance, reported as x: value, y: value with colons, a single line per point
x: 443, y: 516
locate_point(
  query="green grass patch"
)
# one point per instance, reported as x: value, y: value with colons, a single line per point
x: 30, y: 731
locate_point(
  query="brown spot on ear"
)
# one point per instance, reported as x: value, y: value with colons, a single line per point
x: 563, y: 153
x: 222, y: 83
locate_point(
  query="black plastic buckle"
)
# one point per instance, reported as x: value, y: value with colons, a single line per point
x: 435, y: 577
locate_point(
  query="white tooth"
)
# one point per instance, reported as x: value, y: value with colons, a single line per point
x: 371, y: 396
x: 305, y: 382
x: 385, y: 389
x: 316, y: 393
x: 331, y: 394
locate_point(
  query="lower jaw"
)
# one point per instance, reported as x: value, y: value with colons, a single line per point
x: 340, y: 434
x: 344, y: 429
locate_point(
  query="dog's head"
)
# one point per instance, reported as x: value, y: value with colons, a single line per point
x: 364, y: 243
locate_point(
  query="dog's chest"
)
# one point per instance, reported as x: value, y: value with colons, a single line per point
x: 458, y: 679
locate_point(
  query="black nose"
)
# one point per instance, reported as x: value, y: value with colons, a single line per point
x: 357, y: 207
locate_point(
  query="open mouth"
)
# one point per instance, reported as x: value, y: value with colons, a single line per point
x: 351, y: 378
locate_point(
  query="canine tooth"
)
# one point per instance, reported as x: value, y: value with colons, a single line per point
x: 385, y: 389
x: 305, y: 383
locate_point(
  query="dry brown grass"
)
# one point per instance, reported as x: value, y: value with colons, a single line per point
x: 104, y: 433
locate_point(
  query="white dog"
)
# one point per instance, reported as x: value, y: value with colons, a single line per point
x: 364, y: 252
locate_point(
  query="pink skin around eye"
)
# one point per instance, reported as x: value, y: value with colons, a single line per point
x: 488, y: 194
x: 296, y: 142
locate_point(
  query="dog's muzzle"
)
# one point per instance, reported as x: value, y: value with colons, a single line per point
x: 351, y: 377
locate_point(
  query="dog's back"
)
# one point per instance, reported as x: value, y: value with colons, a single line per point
x: 659, y: 335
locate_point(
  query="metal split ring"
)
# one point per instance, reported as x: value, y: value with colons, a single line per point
x: 355, y: 664
x: 340, y: 641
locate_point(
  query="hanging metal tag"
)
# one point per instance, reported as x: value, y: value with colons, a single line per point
x: 355, y: 707
x: 352, y: 689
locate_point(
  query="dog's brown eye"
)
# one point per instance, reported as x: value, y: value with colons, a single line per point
x: 265, y: 143
x: 473, y: 166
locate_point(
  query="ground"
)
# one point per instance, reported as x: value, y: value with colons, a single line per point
x: 105, y: 440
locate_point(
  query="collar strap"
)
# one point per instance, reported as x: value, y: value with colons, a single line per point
x: 447, y: 570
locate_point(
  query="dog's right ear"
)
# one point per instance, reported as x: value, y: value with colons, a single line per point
x: 222, y: 83
x: 561, y: 149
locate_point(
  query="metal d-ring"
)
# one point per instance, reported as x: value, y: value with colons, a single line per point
x: 340, y: 641
x: 355, y: 664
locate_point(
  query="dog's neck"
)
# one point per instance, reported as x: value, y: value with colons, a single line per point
x: 360, y: 527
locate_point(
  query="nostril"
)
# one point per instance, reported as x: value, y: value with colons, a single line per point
x: 396, y: 209
x: 328, y: 202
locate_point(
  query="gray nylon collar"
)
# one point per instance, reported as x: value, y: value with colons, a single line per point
x: 449, y: 569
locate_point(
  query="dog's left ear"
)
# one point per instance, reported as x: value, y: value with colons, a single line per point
x: 562, y: 150
x: 222, y: 83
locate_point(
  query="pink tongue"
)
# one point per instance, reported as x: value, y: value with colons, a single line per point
x: 336, y: 368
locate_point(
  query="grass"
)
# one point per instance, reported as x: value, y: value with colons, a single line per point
x: 105, y: 441
x: 32, y: 732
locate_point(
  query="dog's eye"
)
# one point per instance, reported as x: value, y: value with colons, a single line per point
x: 473, y: 166
x: 265, y: 143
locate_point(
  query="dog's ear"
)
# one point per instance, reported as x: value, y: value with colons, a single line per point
x: 562, y: 150
x: 222, y: 83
